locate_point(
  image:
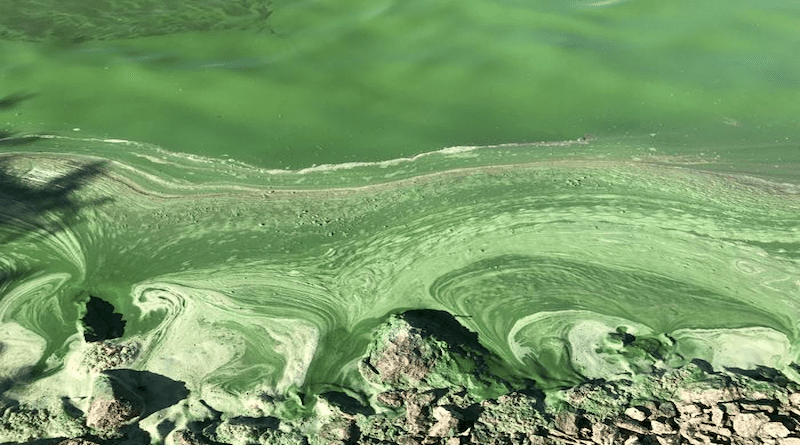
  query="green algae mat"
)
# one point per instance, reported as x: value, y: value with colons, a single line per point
x: 238, y: 196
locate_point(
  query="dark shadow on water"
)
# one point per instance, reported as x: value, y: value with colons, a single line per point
x: 703, y: 365
x: 349, y: 405
x: 446, y: 327
x: 14, y: 99
x: 13, y: 275
x: 51, y: 206
x: 763, y: 374
x: 10, y: 139
x: 101, y: 322
x: 32, y: 206
x: 155, y: 390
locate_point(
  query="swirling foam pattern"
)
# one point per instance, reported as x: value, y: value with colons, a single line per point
x: 242, y: 285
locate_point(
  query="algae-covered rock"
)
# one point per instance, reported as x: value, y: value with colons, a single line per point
x: 113, y: 405
x: 21, y: 424
x: 432, y: 385
x: 256, y: 431
x: 426, y: 349
x: 109, y: 354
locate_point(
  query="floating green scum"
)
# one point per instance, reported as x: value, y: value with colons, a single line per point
x: 240, y: 284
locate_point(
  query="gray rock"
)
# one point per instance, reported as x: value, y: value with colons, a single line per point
x: 773, y: 429
x: 748, y: 424
x: 636, y: 414
x: 566, y: 421
x: 446, y: 422
x: 603, y: 434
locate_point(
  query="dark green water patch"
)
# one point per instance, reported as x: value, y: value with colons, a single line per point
x: 101, y: 322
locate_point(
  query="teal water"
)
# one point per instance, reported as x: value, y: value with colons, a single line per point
x: 256, y: 199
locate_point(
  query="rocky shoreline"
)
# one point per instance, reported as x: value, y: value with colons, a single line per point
x: 433, y: 385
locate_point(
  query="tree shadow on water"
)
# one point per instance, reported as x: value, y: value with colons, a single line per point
x: 38, y: 204
x: 28, y: 207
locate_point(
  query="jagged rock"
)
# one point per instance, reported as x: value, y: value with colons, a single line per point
x: 773, y: 429
x: 112, y: 407
x: 390, y: 398
x: 108, y: 354
x: 404, y: 357
x: 667, y: 409
x: 416, y: 407
x: 794, y: 399
x: 756, y: 407
x: 633, y: 440
x: 631, y: 426
x: 566, y: 421
x: 789, y: 441
x: 661, y: 428
x: 690, y: 412
x: 339, y: 431
x: 716, y: 415
x: 109, y: 414
x: 713, y: 429
x: 730, y: 408
x: 446, y: 422
x: 603, y: 434
x: 747, y: 425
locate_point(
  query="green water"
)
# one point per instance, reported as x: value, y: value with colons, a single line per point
x: 337, y: 81
x: 182, y: 177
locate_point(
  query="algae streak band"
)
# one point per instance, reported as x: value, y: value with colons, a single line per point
x: 566, y: 271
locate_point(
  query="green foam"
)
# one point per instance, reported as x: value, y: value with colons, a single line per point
x: 240, y: 290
